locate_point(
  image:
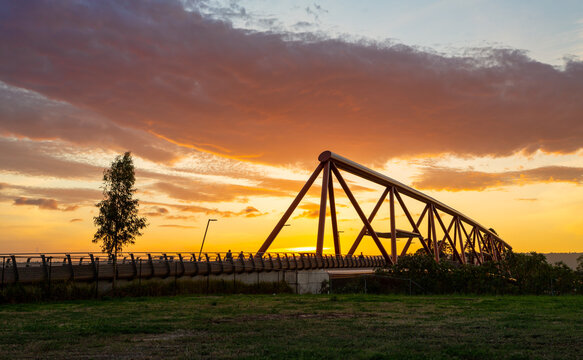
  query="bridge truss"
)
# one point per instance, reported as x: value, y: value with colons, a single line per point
x: 469, y: 241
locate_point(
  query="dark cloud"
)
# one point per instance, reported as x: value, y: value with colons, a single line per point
x: 48, y: 198
x: 76, y: 220
x: 156, y: 211
x: 153, y: 67
x: 438, y: 178
x: 45, y: 204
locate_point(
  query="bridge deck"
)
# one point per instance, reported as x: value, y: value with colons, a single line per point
x: 29, y: 269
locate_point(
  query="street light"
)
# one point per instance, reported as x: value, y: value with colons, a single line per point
x: 204, y: 237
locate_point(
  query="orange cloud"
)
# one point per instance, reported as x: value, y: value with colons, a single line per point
x: 261, y: 93
x: 249, y: 211
x: 177, y: 226
x: 438, y: 178
x: 311, y: 211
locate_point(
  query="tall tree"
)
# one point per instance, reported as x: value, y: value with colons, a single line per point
x: 118, y: 222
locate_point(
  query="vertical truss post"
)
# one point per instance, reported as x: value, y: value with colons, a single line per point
x: 476, y: 237
x: 337, y: 250
x: 289, y: 211
x: 361, y: 214
x: 458, y: 231
x: 484, y: 245
x: 322, y: 219
x: 393, y: 225
x: 433, y: 232
x: 370, y: 219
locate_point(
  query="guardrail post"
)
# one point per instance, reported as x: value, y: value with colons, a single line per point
x: 194, y: 259
x: 262, y: 262
x: 95, y: 266
x: 182, y: 268
x: 151, y: 263
x: 167, y: 265
x: 45, y: 267
x: 71, y: 271
x: 220, y: 260
x: 14, y: 268
x: 140, y: 276
x: 134, y: 267
x: 208, y: 272
x: 252, y: 262
x: 3, y: 266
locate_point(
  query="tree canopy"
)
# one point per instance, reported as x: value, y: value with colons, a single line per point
x: 118, y: 222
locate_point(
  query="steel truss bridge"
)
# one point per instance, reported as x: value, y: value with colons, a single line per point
x: 470, y: 242
x: 477, y: 246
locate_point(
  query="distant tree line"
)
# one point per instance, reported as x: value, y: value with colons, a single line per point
x: 514, y: 274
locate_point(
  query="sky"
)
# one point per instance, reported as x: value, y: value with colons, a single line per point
x: 226, y: 106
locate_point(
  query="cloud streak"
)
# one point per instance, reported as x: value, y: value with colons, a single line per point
x: 44, y: 204
x: 448, y: 179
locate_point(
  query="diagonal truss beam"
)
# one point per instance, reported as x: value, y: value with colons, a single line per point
x: 370, y: 219
x: 416, y: 229
x: 290, y: 210
x: 360, y: 213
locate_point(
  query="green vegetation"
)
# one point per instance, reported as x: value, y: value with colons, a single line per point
x: 293, y: 326
x: 515, y: 274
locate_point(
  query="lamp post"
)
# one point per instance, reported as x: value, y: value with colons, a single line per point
x: 204, y: 237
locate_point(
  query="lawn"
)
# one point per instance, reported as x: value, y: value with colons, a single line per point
x: 297, y: 326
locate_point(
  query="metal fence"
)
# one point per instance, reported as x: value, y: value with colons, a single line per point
x: 29, y: 268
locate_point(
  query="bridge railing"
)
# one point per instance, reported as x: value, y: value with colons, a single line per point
x: 28, y: 268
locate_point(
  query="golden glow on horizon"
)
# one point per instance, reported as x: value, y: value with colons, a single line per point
x: 549, y: 205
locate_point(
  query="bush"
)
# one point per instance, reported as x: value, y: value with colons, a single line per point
x: 515, y: 274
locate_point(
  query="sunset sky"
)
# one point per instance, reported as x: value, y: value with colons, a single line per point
x: 226, y: 106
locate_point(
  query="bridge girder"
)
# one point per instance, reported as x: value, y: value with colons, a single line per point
x: 477, y: 246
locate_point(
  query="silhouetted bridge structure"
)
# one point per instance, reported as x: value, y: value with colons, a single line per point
x: 466, y: 240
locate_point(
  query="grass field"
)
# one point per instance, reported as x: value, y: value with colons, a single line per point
x: 292, y: 326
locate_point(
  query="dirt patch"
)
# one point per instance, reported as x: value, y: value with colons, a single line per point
x: 263, y: 317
